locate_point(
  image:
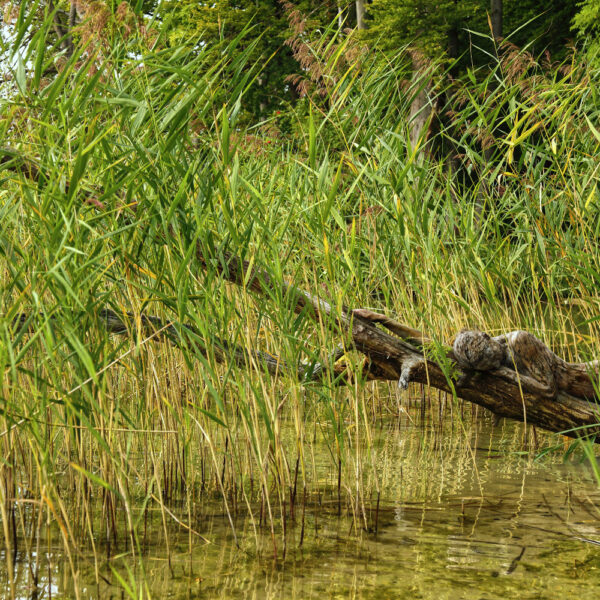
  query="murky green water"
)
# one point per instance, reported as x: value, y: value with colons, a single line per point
x: 462, y: 515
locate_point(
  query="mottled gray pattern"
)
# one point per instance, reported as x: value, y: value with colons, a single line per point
x: 539, y: 369
x: 477, y: 350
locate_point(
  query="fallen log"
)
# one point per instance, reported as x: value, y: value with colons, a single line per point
x: 404, y: 357
x: 157, y: 329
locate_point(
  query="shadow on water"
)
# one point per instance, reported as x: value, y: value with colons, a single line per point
x: 464, y: 516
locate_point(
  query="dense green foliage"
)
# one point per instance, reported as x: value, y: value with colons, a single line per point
x: 439, y: 30
x: 587, y: 23
x: 397, y: 23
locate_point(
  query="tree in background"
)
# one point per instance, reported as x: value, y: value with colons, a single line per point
x: 361, y: 14
x: 433, y: 26
x: 196, y: 22
x: 80, y: 20
x: 496, y: 13
x: 542, y: 27
x: 440, y: 29
x: 587, y: 25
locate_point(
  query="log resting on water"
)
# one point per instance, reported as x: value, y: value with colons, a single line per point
x: 403, y: 357
x: 504, y: 385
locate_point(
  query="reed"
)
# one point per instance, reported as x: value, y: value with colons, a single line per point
x: 135, y: 155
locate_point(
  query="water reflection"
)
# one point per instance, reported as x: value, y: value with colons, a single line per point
x: 460, y: 516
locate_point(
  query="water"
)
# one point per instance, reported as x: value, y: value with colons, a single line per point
x: 462, y: 514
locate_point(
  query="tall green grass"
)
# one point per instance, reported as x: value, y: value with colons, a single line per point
x: 144, y: 155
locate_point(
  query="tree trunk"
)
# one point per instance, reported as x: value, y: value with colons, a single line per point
x: 360, y: 14
x: 402, y: 357
x: 421, y: 107
x: 340, y: 15
x: 64, y: 30
x: 496, y: 18
x: 72, y: 22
